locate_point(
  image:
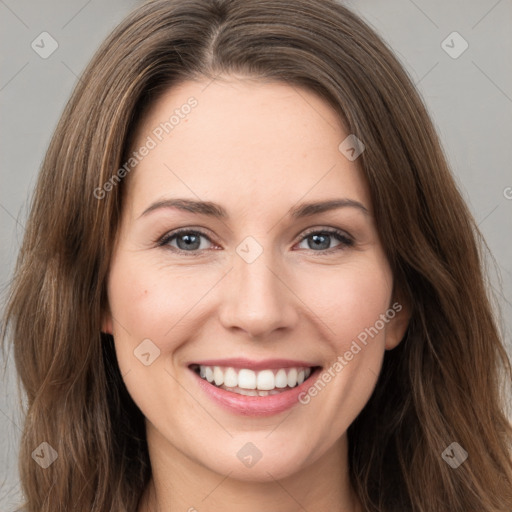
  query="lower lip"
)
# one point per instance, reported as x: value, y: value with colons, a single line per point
x: 256, y: 405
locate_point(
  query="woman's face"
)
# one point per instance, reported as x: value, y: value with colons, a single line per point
x: 260, y: 296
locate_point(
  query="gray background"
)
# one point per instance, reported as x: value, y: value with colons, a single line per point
x: 469, y: 98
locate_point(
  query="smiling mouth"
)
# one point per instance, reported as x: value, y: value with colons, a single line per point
x: 244, y: 381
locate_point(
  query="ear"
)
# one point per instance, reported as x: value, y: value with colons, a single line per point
x: 399, y: 313
x: 106, y: 323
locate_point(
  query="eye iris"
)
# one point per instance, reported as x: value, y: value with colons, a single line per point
x: 190, y: 242
x: 325, y: 237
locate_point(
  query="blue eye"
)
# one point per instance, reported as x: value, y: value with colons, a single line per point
x: 188, y: 240
x: 320, y: 239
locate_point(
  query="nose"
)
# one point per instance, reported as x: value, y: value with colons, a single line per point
x: 258, y: 298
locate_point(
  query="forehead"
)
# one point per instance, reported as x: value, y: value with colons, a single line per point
x: 242, y: 141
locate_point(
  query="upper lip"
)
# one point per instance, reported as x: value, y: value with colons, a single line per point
x: 241, y: 362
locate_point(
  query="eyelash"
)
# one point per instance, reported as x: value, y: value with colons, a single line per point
x: 341, y: 236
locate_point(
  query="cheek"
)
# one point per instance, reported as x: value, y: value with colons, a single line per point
x: 146, y: 303
x: 348, y: 299
x: 149, y: 301
x: 348, y: 306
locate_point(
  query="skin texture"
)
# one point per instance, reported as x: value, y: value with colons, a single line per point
x: 257, y: 149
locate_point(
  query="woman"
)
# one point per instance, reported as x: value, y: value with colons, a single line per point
x: 183, y: 343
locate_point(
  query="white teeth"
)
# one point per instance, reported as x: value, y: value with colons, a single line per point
x: 292, y: 377
x: 246, y: 379
x: 218, y: 376
x: 247, y: 392
x: 230, y: 378
x: 265, y: 380
x: 281, y: 380
x: 251, y: 383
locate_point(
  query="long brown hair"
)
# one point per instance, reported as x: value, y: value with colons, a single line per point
x: 447, y: 380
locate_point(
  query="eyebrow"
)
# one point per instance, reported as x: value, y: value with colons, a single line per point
x: 216, y: 210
